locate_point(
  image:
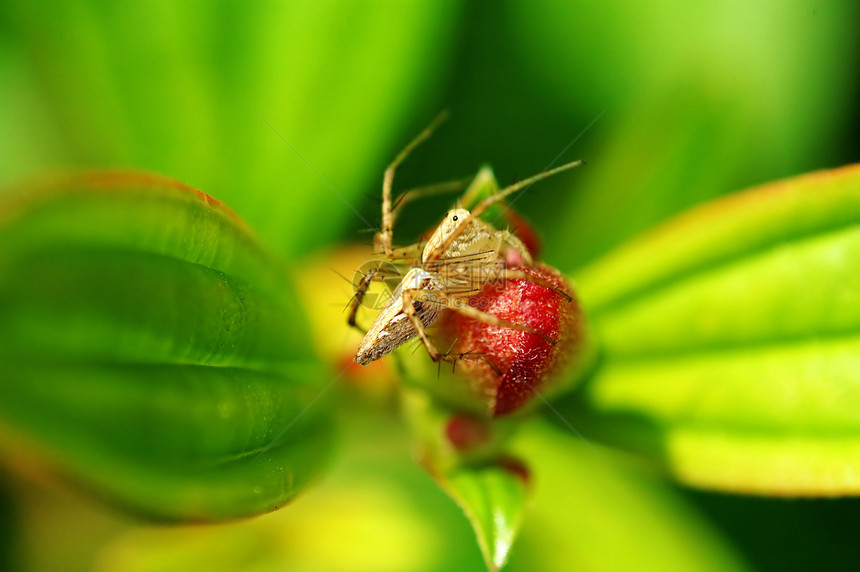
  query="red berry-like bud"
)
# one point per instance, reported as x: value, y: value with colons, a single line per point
x: 465, y: 432
x: 514, y: 367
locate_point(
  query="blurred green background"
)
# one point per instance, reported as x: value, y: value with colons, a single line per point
x: 289, y: 113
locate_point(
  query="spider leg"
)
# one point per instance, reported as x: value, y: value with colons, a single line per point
x: 374, y: 274
x: 514, y: 274
x: 410, y: 254
x: 429, y: 190
x: 430, y: 296
x: 383, y: 238
x: 473, y: 356
x: 493, y: 320
x: 498, y: 196
x: 514, y: 242
x: 507, y: 191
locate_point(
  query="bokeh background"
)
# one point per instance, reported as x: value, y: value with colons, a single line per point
x: 289, y: 113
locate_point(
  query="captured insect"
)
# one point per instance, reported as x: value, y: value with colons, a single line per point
x: 462, y: 255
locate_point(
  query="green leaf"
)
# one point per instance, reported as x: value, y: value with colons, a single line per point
x: 375, y: 510
x: 153, y: 351
x: 586, y: 505
x: 494, y: 498
x: 731, y: 338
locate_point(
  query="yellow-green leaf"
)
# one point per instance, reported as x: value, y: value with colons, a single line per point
x: 600, y: 512
x: 731, y: 338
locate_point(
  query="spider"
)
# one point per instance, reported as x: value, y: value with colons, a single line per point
x: 462, y: 255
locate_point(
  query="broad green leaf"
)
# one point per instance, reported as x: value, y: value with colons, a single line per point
x: 152, y: 349
x: 287, y: 111
x: 594, y: 510
x: 731, y: 338
x: 494, y: 498
x: 375, y: 510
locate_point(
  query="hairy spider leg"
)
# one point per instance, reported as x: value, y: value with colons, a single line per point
x: 384, y: 236
x: 426, y: 191
x: 514, y: 274
x: 431, y: 296
x: 481, y: 207
x: 412, y: 252
x: 373, y: 275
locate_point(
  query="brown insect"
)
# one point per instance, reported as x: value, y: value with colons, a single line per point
x: 463, y: 254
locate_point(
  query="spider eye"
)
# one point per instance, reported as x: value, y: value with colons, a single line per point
x: 455, y: 218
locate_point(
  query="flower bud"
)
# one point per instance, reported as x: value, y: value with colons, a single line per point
x: 513, y: 368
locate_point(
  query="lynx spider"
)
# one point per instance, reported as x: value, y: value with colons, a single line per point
x: 461, y: 256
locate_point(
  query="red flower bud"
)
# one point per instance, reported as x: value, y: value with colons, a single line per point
x: 465, y: 432
x: 514, y: 367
